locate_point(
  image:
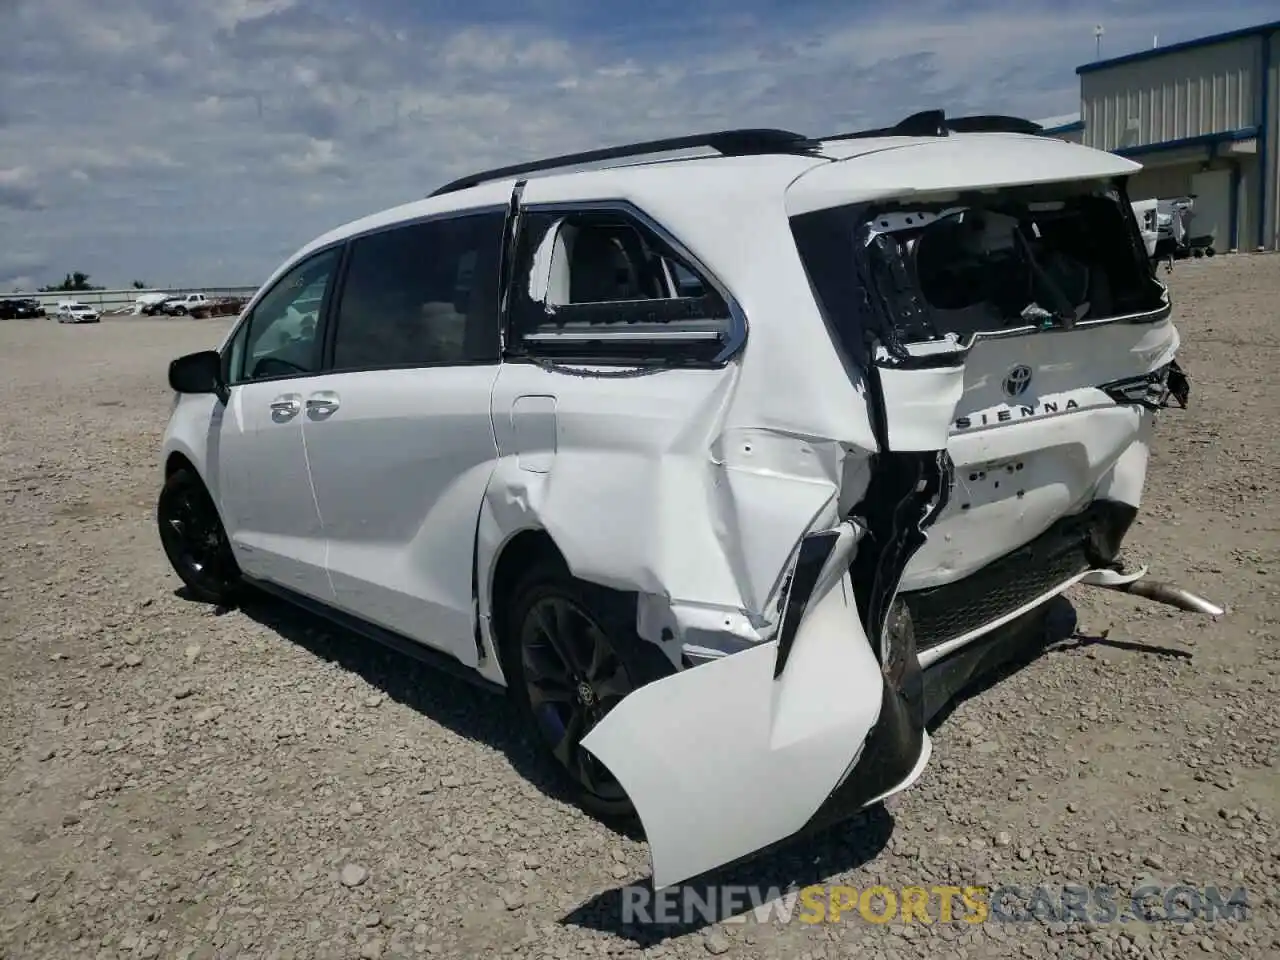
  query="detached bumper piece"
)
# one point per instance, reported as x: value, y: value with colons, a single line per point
x: 748, y: 750
x: 1139, y: 585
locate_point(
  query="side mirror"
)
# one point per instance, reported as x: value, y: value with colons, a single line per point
x: 198, y: 373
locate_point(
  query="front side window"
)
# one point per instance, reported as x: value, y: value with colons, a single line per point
x: 281, y: 339
x: 422, y: 295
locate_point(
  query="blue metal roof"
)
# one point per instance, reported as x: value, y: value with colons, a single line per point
x: 1262, y: 28
x: 1204, y: 140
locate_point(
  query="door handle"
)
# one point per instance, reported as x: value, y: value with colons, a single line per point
x: 285, y: 407
x: 323, y: 403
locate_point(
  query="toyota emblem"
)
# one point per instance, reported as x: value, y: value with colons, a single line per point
x: 1017, y: 380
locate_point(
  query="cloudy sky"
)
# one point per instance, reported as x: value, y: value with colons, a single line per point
x: 189, y: 142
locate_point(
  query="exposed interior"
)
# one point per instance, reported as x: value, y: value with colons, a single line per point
x: 1008, y: 259
x: 606, y: 275
x: 609, y: 263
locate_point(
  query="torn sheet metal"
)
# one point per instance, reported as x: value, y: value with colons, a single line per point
x: 649, y: 492
x: 689, y: 748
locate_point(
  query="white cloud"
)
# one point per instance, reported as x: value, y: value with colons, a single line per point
x: 229, y: 13
x: 320, y: 156
x: 19, y: 189
x: 232, y: 131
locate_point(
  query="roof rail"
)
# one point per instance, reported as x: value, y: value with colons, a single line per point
x: 726, y: 142
x: 993, y: 123
x: 935, y: 123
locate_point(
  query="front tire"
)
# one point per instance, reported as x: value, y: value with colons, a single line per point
x: 571, y: 653
x: 195, y: 541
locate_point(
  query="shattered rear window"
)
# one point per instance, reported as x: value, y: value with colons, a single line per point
x: 995, y: 262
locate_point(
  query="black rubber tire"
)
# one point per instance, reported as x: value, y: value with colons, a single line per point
x: 179, y: 311
x: 614, y: 615
x: 214, y: 579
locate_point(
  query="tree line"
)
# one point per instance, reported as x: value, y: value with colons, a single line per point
x: 77, y: 281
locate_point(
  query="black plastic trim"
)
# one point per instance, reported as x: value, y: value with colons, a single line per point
x: 888, y: 756
x: 907, y: 492
x: 935, y: 123
x: 893, y: 747
x: 815, y: 550
x: 744, y: 142
x: 1072, y: 545
x: 511, y: 232
x: 947, y: 677
x: 429, y: 656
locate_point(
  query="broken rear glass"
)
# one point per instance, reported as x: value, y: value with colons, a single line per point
x: 988, y: 263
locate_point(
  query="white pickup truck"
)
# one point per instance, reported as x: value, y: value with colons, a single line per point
x: 180, y: 306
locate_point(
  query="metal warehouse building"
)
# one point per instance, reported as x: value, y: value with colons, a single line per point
x: 1203, y: 118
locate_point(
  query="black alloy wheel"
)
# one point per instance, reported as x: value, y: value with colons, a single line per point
x: 194, y: 539
x: 573, y: 677
x: 571, y: 655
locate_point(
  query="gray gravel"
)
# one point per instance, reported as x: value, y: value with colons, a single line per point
x: 177, y: 782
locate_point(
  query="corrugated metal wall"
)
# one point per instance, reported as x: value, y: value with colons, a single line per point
x: 1248, y: 203
x: 1271, y: 168
x: 1185, y: 94
x: 1156, y: 182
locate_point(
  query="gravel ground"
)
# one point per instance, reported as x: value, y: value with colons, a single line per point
x: 179, y: 783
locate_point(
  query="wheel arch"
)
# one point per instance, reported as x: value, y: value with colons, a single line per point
x: 180, y: 457
x: 177, y: 460
x: 519, y: 553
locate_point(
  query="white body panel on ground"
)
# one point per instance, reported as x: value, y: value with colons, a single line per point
x: 754, y: 734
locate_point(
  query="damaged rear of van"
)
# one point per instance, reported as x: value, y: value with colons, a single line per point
x: 732, y: 469
x: 989, y: 301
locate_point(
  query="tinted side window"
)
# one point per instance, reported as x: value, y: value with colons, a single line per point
x: 421, y: 295
x: 282, y: 330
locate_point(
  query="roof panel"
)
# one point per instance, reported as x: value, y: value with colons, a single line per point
x: 977, y: 161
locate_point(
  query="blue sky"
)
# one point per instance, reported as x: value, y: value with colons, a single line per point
x: 188, y: 142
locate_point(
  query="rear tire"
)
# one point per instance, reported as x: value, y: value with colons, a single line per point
x: 570, y: 654
x: 195, y: 541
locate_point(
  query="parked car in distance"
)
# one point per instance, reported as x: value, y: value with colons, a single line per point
x: 730, y: 521
x: 20, y: 308
x: 154, y: 304
x: 148, y: 304
x: 184, y: 304
x: 72, y: 311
